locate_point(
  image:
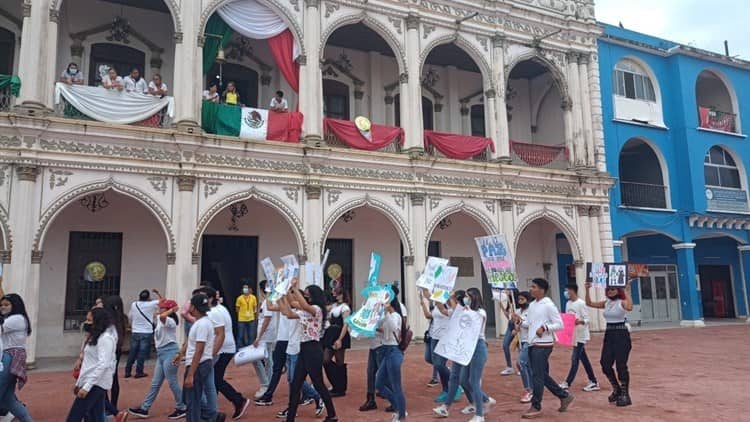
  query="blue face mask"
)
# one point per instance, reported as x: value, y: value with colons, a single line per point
x: 567, y: 296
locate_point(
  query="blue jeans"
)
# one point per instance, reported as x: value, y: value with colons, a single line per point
x: 201, y: 398
x: 164, y: 369
x: 579, y: 355
x: 472, y: 381
x: 428, y: 356
x: 441, y: 365
x: 246, y: 332
x: 308, y: 392
x: 388, y: 378
x: 523, y: 362
x: 539, y: 358
x: 8, y: 399
x: 507, y: 339
x: 140, y: 347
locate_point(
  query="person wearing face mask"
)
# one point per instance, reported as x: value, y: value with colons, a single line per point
x: 388, y: 377
x: 577, y: 307
x: 439, y: 317
x: 522, y: 328
x: 246, y: 306
x: 72, y: 75
x: 616, y: 348
x: 15, y: 327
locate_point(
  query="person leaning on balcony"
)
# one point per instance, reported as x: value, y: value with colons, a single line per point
x: 72, y: 75
x: 134, y: 82
x: 231, y: 97
x: 212, y: 94
x: 112, y: 81
x: 278, y: 103
x: 156, y: 87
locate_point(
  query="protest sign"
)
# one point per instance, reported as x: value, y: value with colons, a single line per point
x: 597, y: 274
x: 289, y: 273
x: 617, y: 275
x: 432, y: 269
x: 365, y: 321
x: 372, y: 278
x: 270, y: 271
x: 497, y: 261
x: 444, y: 284
x: 460, y: 340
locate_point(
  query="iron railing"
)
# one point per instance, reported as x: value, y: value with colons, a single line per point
x: 7, y: 99
x: 544, y: 156
x: 710, y: 118
x: 644, y: 195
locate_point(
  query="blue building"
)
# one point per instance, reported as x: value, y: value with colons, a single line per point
x: 675, y: 142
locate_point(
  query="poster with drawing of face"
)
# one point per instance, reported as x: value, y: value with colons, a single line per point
x: 617, y: 275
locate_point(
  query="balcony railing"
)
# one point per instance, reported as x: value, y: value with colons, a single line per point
x: 333, y: 141
x: 159, y: 120
x: 711, y: 118
x: 544, y: 156
x: 6, y: 99
x: 643, y: 195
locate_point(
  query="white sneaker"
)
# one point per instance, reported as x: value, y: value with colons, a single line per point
x: 396, y: 419
x: 591, y: 386
x: 508, y: 371
x: 260, y: 392
x: 564, y: 385
x: 477, y: 419
x: 441, y: 411
x: 490, y: 401
x: 468, y: 410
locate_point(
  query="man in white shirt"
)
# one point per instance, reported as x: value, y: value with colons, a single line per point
x: 223, y: 352
x: 278, y: 103
x: 134, y: 82
x: 543, y: 320
x: 142, y: 324
x: 266, y: 337
x: 156, y: 87
x: 577, y: 307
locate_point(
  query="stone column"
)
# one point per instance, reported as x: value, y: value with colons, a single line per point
x: 491, y: 119
x: 415, y: 263
x: 690, y: 293
x: 465, y: 119
x: 403, y: 101
x: 567, y: 106
x: 22, y: 275
x: 596, y: 247
x: 389, y: 113
x: 588, y: 130
x: 188, y: 58
x: 311, y: 97
x: 413, y: 125
x: 605, y: 236
x: 596, y: 113
x: 575, y: 95
x: 502, y: 137
x: 37, y: 58
x: 359, y: 95
x: 744, y: 252
x: 185, y: 268
x: 507, y: 229
x: 313, y: 224
x: 378, y: 113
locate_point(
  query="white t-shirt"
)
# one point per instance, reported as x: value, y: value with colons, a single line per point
x: 284, y: 328
x: 106, y: 80
x: 14, y: 332
x: 165, y: 333
x: 483, y: 313
x: 295, y: 333
x: 203, y: 331
x: 391, y: 327
x: 578, y: 308
x: 439, y: 324
x: 339, y: 309
x: 140, y: 86
x: 163, y: 87
x: 272, y: 331
x: 614, y: 313
x: 283, y: 103
x: 220, y: 317
x: 208, y: 96
x: 138, y: 320
x: 523, y: 335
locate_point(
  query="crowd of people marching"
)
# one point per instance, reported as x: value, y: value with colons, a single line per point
x: 305, y: 333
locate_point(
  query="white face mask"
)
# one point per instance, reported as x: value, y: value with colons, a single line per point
x: 245, y: 291
x: 467, y: 301
x: 566, y: 295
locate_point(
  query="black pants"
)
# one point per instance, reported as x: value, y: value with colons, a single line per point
x: 91, y: 408
x: 616, y: 350
x: 309, y: 362
x: 220, y: 367
x: 372, y: 370
x: 279, y: 360
x: 539, y: 359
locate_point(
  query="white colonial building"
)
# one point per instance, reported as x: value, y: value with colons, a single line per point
x: 168, y: 205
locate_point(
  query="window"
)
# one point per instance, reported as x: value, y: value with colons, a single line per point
x: 720, y: 169
x: 477, y: 120
x: 427, y: 112
x: 123, y: 58
x: 335, y: 99
x: 632, y: 82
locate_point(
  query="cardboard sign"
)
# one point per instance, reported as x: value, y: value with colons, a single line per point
x: 432, y: 269
x: 617, y: 275
x: 288, y: 273
x: 444, y: 284
x: 566, y: 336
x: 637, y: 270
x: 374, y: 274
x: 497, y: 261
x: 460, y: 340
x: 365, y: 321
x: 270, y: 271
x: 598, y: 274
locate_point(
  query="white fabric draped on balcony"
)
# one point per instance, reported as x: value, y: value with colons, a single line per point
x: 112, y: 106
x: 252, y: 19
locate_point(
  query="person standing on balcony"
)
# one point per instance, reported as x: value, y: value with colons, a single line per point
x: 72, y: 75
x: 231, y: 96
x: 212, y: 94
x: 112, y: 81
x: 278, y: 103
x: 134, y: 82
x: 156, y: 87
x: 142, y: 324
x: 246, y: 306
x: 577, y: 307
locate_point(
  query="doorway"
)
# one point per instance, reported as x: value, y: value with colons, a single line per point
x: 340, y: 261
x: 660, y: 301
x: 716, y: 291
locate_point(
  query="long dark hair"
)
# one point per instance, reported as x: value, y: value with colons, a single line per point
x: 476, y: 298
x: 317, y: 298
x: 18, y: 308
x: 102, y: 320
x: 459, y: 295
x: 114, y: 305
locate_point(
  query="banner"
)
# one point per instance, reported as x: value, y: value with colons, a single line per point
x: 497, y: 261
x: 372, y: 278
x: 365, y: 321
x: 460, y: 340
x: 432, y: 269
x: 444, y: 284
x: 288, y: 273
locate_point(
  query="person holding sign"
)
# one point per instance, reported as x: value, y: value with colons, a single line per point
x: 336, y: 340
x: 439, y: 317
x: 388, y: 377
x: 616, y: 348
x: 544, y: 319
x: 577, y: 307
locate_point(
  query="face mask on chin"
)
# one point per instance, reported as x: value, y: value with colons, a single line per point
x: 87, y: 327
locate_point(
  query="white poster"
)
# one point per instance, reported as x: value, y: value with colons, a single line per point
x: 270, y: 271
x: 290, y: 272
x: 460, y: 340
x: 254, y: 124
x: 432, y: 269
x: 444, y: 283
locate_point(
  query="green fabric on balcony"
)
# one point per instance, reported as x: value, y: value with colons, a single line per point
x: 14, y: 82
x: 212, y: 44
x: 221, y: 119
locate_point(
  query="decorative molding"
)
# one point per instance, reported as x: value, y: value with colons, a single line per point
x: 435, y: 202
x: 26, y: 10
x: 58, y: 178
x: 497, y: 40
x: 331, y: 8
x: 417, y: 199
x: 438, y: 107
x: 678, y: 246
x: 506, y: 205
x: 400, y: 200
x: 388, y: 99
x: 36, y: 256
x: 595, y: 211
x: 584, y: 58
x: 148, y: 154
x: 5, y: 256
x: 171, y: 258
x: 358, y: 95
x: 302, y: 60
x: 10, y: 142
x: 408, y: 260
x: 579, y: 263
x: 583, y: 210
x: 333, y: 196
x: 210, y: 188
x: 427, y: 30
x: 27, y: 173
x: 159, y: 183
x: 403, y: 78
x: 520, y: 208
x: 312, y: 3
x: 295, y: 4
x: 490, y: 205
x: 483, y: 41
x: 292, y: 193
x: 254, y: 163
x: 186, y: 183
x: 412, y: 21
x: 617, y: 243
x: 195, y: 258
x: 367, y: 173
x: 490, y: 93
x: 54, y: 16
x: 568, y: 211
x: 177, y: 36
x: 396, y: 22
x: 313, y: 191
x: 237, y: 210
x: 3, y: 174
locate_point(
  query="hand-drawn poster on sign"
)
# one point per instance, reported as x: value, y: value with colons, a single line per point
x: 444, y: 284
x: 365, y: 321
x: 432, y: 269
x: 270, y: 271
x: 372, y: 278
x: 597, y: 274
x: 289, y: 273
x: 617, y: 275
x: 497, y: 261
x: 459, y: 342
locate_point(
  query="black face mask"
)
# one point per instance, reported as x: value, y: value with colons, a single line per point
x: 87, y: 327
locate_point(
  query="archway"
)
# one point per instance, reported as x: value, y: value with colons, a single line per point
x: 718, y: 108
x: 717, y: 263
x: 643, y: 176
x: 111, y: 227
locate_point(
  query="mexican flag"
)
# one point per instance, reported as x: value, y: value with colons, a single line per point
x: 255, y: 124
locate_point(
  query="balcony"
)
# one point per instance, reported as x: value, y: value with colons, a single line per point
x: 542, y: 156
x: 9, y: 88
x: 333, y: 141
x: 643, y: 195
x: 713, y: 119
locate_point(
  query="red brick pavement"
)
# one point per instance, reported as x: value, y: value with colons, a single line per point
x: 677, y: 374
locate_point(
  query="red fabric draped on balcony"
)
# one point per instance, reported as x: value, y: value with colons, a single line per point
x: 282, y: 47
x: 455, y: 146
x: 710, y: 119
x: 347, y: 132
x: 537, y: 155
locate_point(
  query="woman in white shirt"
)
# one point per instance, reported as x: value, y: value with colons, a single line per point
x: 15, y: 328
x: 212, y: 93
x: 165, y: 339
x: 616, y: 348
x: 335, y: 341
x: 112, y: 81
x: 388, y: 378
x: 98, y: 365
x: 439, y: 316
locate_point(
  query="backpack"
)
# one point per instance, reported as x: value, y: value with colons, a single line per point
x: 406, y: 336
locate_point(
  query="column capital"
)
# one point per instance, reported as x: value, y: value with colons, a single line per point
x: 595, y: 211
x: 76, y: 49
x: 54, y: 15
x: 490, y: 93
x: 36, y: 256
x: 678, y: 246
x: 312, y: 3
x: 438, y: 107
x: 265, y: 79
x: 26, y: 10
x: 195, y: 259
x: 506, y: 205
x: 171, y: 258
x: 27, y: 173
x: 403, y: 77
x: 572, y: 57
x: 567, y: 103
x: 408, y: 260
x: 497, y: 40
x: 186, y: 183
x: 579, y: 263
x: 464, y: 109
x: 417, y: 198
x: 583, y: 210
x: 388, y: 99
x: 358, y: 95
x: 412, y: 21
x: 301, y: 259
x: 5, y: 256
x: 583, y: 58
x: 302, y: 59
x: 177, y: 36
x: 313, y: 191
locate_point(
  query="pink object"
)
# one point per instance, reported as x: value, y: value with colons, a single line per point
x: 455, y: 146
x: 282, y: 47
x: 566, y: 335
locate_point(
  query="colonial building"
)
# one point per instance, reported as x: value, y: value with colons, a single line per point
x: 673, y: 120
x: 494, y: 108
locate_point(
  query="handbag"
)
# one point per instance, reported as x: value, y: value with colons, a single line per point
x: 250, y: 354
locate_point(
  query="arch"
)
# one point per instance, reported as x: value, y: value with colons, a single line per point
x: 737, y: 162
x: 664, y: 169
x: 276, y: 5
x: 386, y: 34
x: 558, y: 75
x: 5, y: 231
x: 730, y: 91
x: 643, y: 66
x: 468, y: 48
x: 51, y: 213
x: 650, y: 232
x: 556, y: 219
x: 461, y: 207
x: 401, y: 227
x: 537, y: 106
x: 264, y: 197
x: 172, y: 5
